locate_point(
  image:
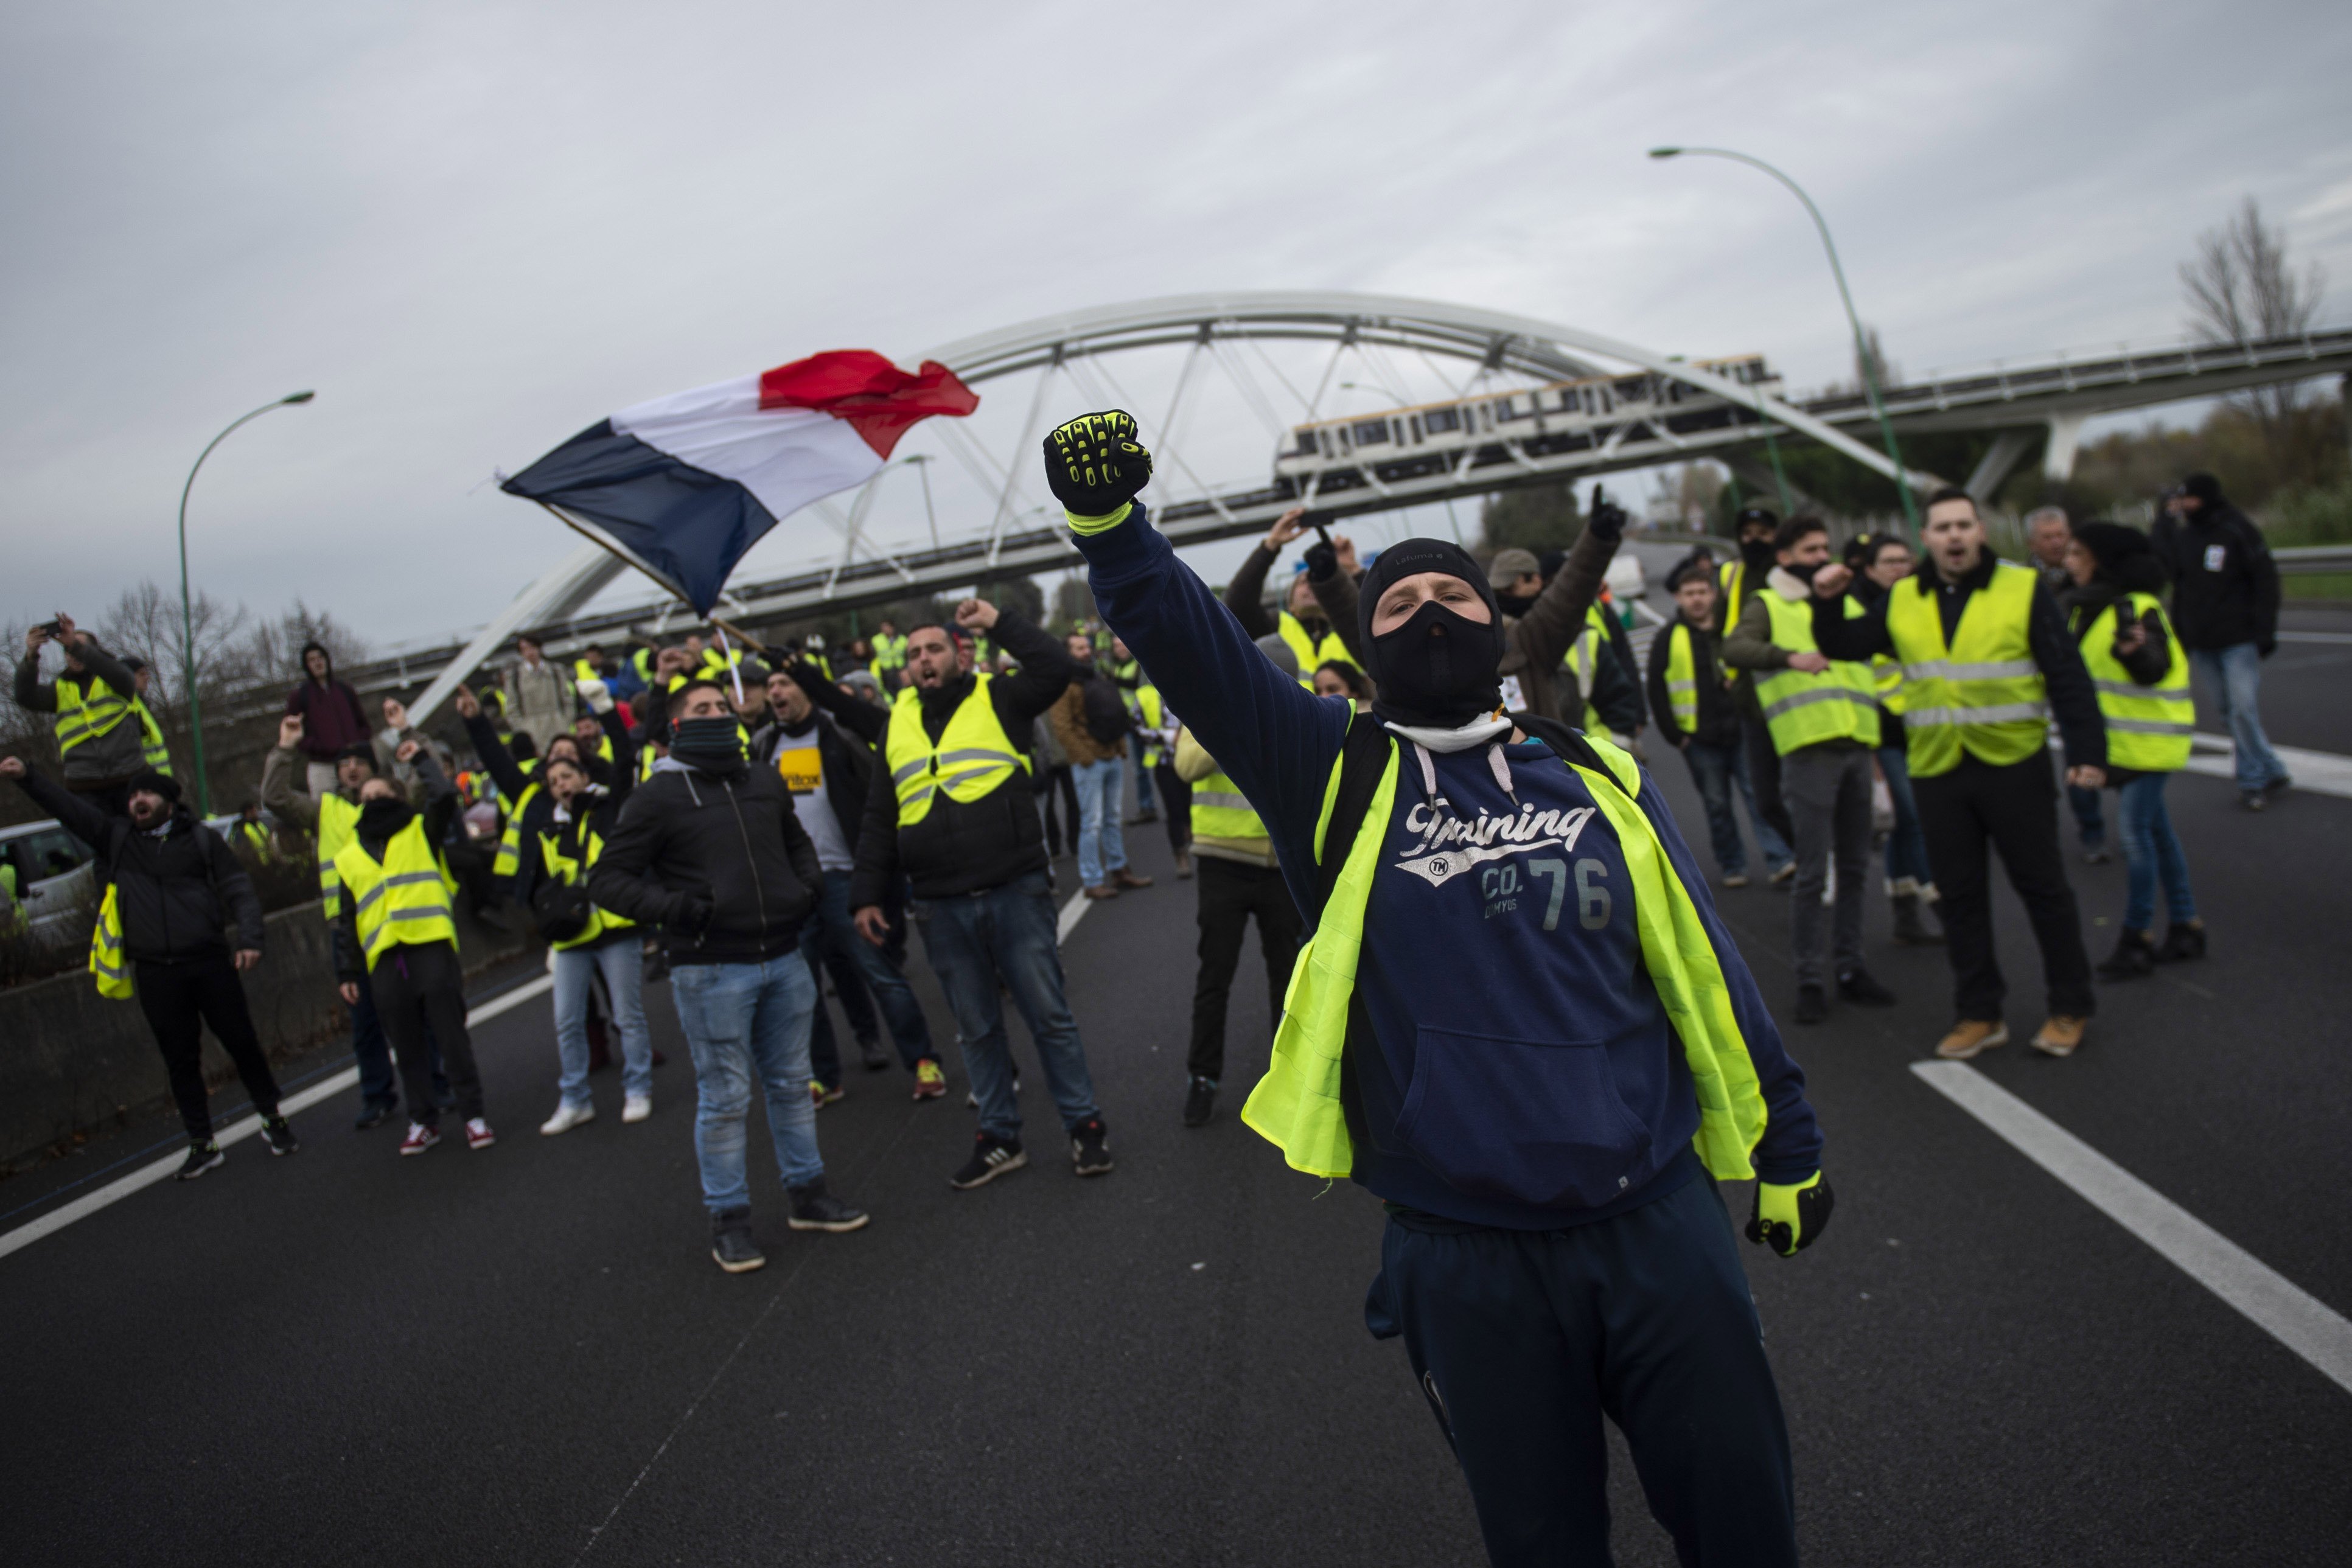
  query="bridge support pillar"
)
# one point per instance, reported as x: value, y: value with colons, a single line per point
x: 1999, y: 460
x: 2058, y: 454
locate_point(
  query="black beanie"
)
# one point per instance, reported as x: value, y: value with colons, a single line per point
x: 148, y: 781
x: 1409, y: 559
x: 2206, y: 488
x: 2112, y: 544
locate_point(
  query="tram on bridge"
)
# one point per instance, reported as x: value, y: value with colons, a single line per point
x: 1555, y: 417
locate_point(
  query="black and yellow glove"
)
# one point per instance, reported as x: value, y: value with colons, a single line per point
x: 1095, y: 465
x: 1787, y: 1218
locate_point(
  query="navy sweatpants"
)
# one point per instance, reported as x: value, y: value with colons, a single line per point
x: 1523, y: 1341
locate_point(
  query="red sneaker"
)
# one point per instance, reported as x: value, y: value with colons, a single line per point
x: 420, y: 1138
x: 479, y: 1135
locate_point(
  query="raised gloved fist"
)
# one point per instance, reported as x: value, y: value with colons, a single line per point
x: 1094, y: 464
x: 1787, y: 1218
x: 1607, y: 518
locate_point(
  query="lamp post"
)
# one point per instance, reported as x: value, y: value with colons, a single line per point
x: 1862, y: 354
x: 187, y: 614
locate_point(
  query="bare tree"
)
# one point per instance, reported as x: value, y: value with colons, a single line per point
x: 2240, y: 289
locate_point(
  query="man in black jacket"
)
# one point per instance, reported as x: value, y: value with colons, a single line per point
x: 960, y: 820
x: 821, y: 744
x: 177, y: 885
x: 2225, y: 604
x: 710, y: 850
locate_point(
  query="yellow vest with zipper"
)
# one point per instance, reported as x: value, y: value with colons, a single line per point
x: 86, y: 715
x: 106, y: 963
x: 1982, y: 695
x: 1802, y: 709
x: 571, y: 871
x: 1682, y: 678
x: 974, y: 757
x: 1296, y: 1106
x: 1147, y: 700
x: 156, y: 755
x: 338, y: 819
x: 403, y: 899
x: 1312, y: 653
x: 2148, y: 726
x: 890, y: 653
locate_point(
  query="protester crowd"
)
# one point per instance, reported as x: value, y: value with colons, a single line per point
x: 757, y: 822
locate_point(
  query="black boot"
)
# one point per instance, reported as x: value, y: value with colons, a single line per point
x: 1199, y: 1101
x: 814, y: 1208
x: 2132, y: 959
x: 1910, y: 931
x: 2182, y: 943
x: 731, y: 1247
x: 1857, y: 986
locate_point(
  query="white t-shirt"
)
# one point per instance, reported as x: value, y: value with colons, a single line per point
x: 803, y: 770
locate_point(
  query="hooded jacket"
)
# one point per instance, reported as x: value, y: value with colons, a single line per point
x: 2225, y: 586
x: 332, y: 716
x: 175, y: 892
x: 689, y: 838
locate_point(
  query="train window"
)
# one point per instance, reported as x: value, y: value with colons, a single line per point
x: 1416, y: 427
x: 1438, y: 419
x: 1508, y: 408
x: 1369, y: 432
x: 1306, y: 448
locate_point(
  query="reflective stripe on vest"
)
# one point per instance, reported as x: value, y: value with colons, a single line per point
x: 1147, y: 702
x: 972, y: 759
x: 509, y: 856
x: 2148, y: 726
x: 107, y: 963
x: 403, y: 899
x: 1220, y: 810
x: 1296, y: 1106
x: 338, y: 821
x: 569, y: 871
x: 1311, y: 654
x: 1886, y: 680
x: 1682, y: 678
x: 1802, y: 709
x: 156, y: 755
x: 1982, y: 695
x: 81, y: 717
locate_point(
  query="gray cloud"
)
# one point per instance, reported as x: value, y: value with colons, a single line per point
x: 478, y: 228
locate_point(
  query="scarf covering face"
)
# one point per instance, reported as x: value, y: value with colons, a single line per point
x: 1437, y: 670
x: 380, y: 819
x: 712, y: 745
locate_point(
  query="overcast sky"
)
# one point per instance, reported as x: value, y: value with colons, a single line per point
x: 477, y: 228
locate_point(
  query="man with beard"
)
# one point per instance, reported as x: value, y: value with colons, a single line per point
x: 1822, y: 718
x: 1740, y: 578
x: 1507, y: 921
x: 172, y: 885
x: 397, y: 934
x: 960, y: 822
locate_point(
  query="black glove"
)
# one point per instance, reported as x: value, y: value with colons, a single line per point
x: 1607, y: 518
x: 1094, y: 464
x: 1788, y: 1219
x: 693, y: 916
x: 1322, y: 562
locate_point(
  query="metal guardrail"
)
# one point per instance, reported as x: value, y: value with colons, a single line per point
x: 2308, y: 560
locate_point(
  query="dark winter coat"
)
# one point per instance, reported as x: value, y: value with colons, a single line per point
x: 175, y: 894
x: 689, y: 841
x: 332, y: 716
x: 1718, y: 720
x: 2225, y: 586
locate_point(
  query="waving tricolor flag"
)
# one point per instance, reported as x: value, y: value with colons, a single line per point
x: 683, y: 486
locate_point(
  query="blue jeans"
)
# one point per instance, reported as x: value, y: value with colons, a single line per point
x: 1711, y: 770
x: 2236, y: 673
x: 623, y: 961
x: 741, y: 1019
x: 1007, y: 936
x: 2151, y: 853
x: 1135, y: 748
x: 830, y: 930
x: 2090, y: 816
x: 1102, y: 850
x: 1907, y: 846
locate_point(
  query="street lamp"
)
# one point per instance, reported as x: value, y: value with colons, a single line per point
x: 1860, y: 349
x: 188, y: 615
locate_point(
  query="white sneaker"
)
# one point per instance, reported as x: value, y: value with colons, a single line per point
x: 566, y: 1117
x: 637, y: 1107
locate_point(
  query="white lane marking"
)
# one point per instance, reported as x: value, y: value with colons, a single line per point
x: 148, y: 1176
x: 2315, y: 772
x: 2278, y: 1305
x: 1072, y: 912
x: 2315, y: 636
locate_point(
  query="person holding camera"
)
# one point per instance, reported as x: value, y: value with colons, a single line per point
x: 174, y: 884
x: 1518, y: 1021
x: 100, y: 738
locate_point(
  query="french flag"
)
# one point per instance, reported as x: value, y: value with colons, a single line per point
x: 682, y: 487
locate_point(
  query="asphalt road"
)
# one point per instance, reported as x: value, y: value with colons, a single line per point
x: 525, y: 1355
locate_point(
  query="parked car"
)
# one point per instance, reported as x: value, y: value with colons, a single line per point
x: 53, y: 878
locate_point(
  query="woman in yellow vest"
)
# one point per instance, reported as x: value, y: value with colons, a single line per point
x: 2142, y: 676
x: 397, y: 932
x: 1519, y: 1022
x: 1987, y: 664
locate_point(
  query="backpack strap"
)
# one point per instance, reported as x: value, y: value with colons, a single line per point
x: 1363, y: 757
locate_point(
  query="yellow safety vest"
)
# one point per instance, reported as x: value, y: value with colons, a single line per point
x: 256, y: 834
x: 1296, y: 1106
x: 86, y: 715
x: 1682, y: 677
x: 889, y: 653
x: 157, y: 754
x: 1886, y: 679
x: 404, y: 898
x: 1731, y: 577
x: 583, y: 670
x: 1147, y: 698
x: 642, y: 661
x: 1584, y: 654
x: 2148, y: 726
x: 1312, y: 654
x: 647, y: 758
x: 974, y: 756
x: 1220, y: 810
x: 509, y: 856
x: 107, y: 963
x: 1800, y: 710
x: 338, y: 819
x: 1983, y: 694
x: 569, y: 871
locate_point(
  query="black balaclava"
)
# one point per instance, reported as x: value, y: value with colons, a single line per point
x: 1437, y: 670
x: 1757, y: 555
x: 383, y: 817
x: 2207, y: 491
x: 713, y: 744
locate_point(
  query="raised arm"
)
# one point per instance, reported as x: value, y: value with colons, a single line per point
x: 1857, y: 638
x: 1044, y: 674
x: 277, y: 792
x: 1556, y: 619
x: 76, y: 815
x: 504, y: 771
x: 856, y: 715
x: 1245, y: 593
x: 1335, y: 591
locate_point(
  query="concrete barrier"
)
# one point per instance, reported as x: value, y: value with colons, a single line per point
x: 73, y: 1062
